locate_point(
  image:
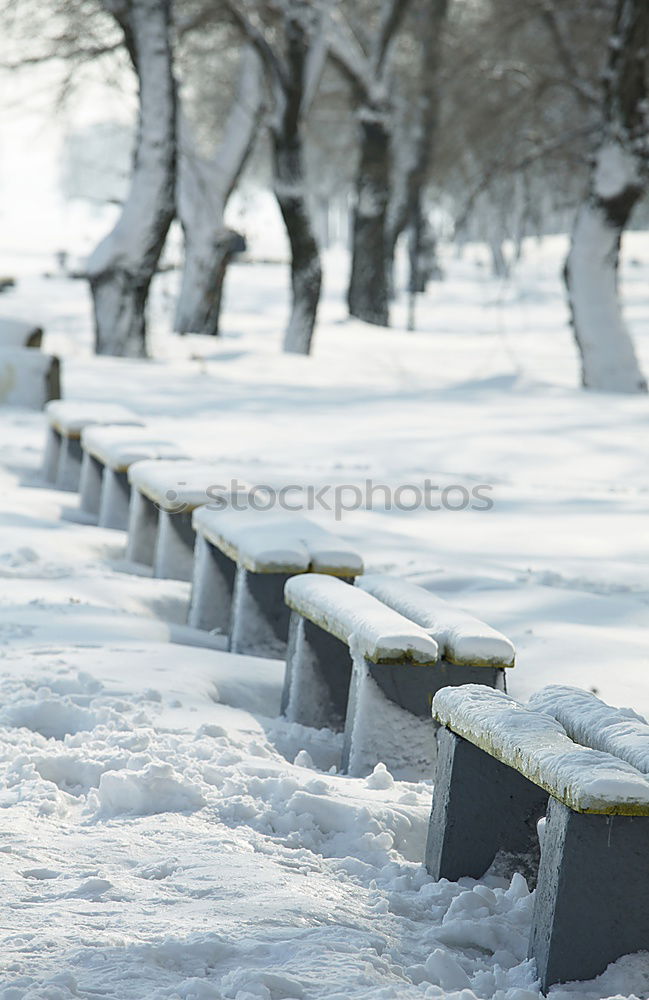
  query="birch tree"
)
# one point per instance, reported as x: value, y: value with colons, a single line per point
x: 122, y: 266
x: 290, y: 43
x: 204, y: 186
x: 618, y: 178
x: 366, y: 67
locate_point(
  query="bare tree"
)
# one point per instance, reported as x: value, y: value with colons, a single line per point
x: 289, y: 40
x: 122, y: 266
x: 414, y: 142
x: 204, y: 186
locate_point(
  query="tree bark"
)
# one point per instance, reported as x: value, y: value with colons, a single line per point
x: 204, y: 186
x: 121, y: 268
x: 368, y: 294
x: 618, y: 180
x: 608, y: 359
x: 290, y: 191
x: 414, y: 152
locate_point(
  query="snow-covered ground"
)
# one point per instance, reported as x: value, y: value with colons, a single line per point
x: 163, y: 833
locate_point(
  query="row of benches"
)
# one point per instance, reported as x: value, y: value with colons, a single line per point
x: 277, y: 584
x: 367, y: 654
x: 27, y: 376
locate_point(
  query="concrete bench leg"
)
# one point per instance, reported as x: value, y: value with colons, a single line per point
x: 174, y: 551
x: 318, y: 674
x: 481, y: 809
x: 142, y: 529
x: 210, y: 607
x: 51, y: 457
x: 388, y: 720
x: 92, y: 472
x: 69, y: 469
x: 592, y: 899
x: 259, y: 614
x: 115, y: 500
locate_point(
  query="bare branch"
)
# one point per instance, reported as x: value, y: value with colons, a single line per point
x: 392, y: 16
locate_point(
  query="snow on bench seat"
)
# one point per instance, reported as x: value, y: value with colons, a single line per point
x: 163, y: 495
x: 536, y: 745
x: 462, y: 638
x: 593, y: 723
x: 19, y: 333
x: 500, y: 768
x: 118, y: 447
x: 66, y: 420
x: 69, y: 417
x: 375, y: 631
x: 176, y: 485
x: 28, y: 378
x: 273, y: 542
x: 108, y: 453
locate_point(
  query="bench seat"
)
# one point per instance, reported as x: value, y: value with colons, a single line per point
x: 501, y: 767
x: 537, y: 746
x: 360, y: 621
x: 590, y: 721
x: 164, y: 493
x: 463, y: 639
x: 108, y: 453
x: 66, y: 421
x: 242, y: 560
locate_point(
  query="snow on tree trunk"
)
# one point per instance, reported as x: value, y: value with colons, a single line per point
x: 618, y: 180
x: 368, y: 294
x: 121, y: 268
x: 204, y: 186
x: 608, y: 358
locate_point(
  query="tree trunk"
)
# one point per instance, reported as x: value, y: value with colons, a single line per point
x: 422, y: 251
x: 608, y: 359
x: 290, y: 191
x: 618, y: 180
x: 121, y: 268
x: 306, y: 271
x: 198, y: 309
x: 368, y: 294
x: 204, y: 186
x: 414, y: 149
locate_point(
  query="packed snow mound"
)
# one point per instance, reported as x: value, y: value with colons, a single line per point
x: 157, y: 788
x: 54, y: 718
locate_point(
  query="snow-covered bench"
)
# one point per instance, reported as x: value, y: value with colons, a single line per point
x: 353, y: 663
x: 28, y: 378
x: 66, y: 420
x: 19, y: 333
x: 242, y: 560
x: 500, y: 768
x: 382, y: 699
x: 108, y: 453
x: 163, y: 496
